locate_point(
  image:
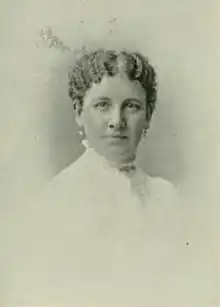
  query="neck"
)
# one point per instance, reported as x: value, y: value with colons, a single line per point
x: 120, y: 163
x: 122, y: 166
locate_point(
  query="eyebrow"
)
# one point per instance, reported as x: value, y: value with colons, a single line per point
x: 124, y: 101
x: 133, y: 99
x: 102, y: 98
x: 94, y: 100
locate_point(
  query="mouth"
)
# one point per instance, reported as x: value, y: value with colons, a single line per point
x: 117, y: 137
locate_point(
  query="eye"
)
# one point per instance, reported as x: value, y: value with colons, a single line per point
x: 133, y: 106
x: 102, y: 104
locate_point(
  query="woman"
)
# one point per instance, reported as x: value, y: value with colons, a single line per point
x: 114, y: 96
x: 104, y: 230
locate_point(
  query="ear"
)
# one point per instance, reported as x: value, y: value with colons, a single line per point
x: 146, y: 124
x: 78, y: 113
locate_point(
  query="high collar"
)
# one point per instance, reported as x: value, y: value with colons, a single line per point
x: 129, y: 177
x: 127, y: 169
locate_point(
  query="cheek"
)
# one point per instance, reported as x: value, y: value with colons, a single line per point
x: 136, y: 126
x: 93, y: 123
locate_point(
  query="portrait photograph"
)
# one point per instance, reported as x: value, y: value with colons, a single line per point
x: 110, y: 153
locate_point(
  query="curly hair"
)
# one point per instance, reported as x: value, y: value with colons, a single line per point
x: 93, y: 66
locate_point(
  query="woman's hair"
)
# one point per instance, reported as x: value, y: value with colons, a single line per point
x: 93, y: 66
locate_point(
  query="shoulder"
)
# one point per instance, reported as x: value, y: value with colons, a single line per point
x: 162, y: 187
x: 72, y: 173
x: 164, y: 195
x: 57, y: 202
x: 68, y: 180
x: 63, y: 190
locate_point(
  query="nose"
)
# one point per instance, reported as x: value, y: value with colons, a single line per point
x: 117, y: 119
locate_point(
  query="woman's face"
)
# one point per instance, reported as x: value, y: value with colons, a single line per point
x: 113, y: 117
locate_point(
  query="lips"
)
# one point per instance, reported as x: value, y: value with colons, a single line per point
x: 117, y: 136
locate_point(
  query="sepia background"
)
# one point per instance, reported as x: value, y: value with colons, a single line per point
x: 37, y: 130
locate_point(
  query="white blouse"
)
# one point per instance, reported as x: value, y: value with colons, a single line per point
x: 109, y: 202
x: 100, y: 237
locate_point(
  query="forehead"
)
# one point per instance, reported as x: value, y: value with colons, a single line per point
x: 118, y: 87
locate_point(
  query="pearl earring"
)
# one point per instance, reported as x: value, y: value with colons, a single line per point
x: 81, y: 133
x: 84, y: 142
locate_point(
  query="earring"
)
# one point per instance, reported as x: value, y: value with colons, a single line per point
x: 144, y: 132
x: 83, y: 140
x: 81, y: 133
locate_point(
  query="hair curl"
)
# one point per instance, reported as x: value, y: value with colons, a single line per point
x: 92, y: 67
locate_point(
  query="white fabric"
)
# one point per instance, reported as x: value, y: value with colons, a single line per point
x: 101, y: 237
